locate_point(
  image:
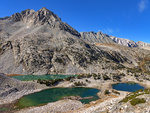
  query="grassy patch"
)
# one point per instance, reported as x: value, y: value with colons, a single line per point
x: 3, y: 109
x: 132, y: 97
x: 136, y: 101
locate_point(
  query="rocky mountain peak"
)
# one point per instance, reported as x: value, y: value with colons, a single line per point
x: 44, y: 9
x: 42, y: 16
x: 46, y: 15
x: 27, y: 12
x: 16, y: 17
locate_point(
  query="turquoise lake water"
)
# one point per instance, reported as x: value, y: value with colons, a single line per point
x: 130, y: 87
x: 55, y: 94
x: 42, y: 77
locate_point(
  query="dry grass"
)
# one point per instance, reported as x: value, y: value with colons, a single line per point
x: 14, y: 75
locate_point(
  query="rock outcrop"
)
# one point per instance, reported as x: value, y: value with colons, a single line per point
x: 98, y: 37
x: 12, y: 89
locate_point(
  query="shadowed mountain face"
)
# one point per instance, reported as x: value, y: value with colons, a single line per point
x: 40, y: 43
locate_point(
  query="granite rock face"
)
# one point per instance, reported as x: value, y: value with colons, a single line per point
x: 98, y: 37
x: 38, y: 42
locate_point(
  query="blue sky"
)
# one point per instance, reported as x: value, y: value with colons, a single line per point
x: 122, y: 18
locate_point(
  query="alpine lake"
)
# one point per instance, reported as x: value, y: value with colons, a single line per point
x: 54, y: 94
x: 129, y: 87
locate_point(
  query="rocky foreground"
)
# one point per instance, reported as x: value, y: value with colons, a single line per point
x: 12, y: 89
x: 110, y: 101
x: 61, y: 106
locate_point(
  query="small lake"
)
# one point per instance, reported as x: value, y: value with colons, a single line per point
x: 55, y: 94
x: 130, y: 87
x: 42, y: 77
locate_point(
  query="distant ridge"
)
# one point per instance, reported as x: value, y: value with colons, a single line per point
x: 100, y: 37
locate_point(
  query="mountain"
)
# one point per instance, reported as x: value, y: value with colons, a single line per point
x: 38, y: 42
x: 100, y: 37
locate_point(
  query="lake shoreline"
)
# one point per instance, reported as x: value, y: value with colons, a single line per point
x: 102, y: 85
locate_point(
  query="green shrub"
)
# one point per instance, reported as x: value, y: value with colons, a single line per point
x: 49, y: 82
x: 147, y: 91
x: 130, y: 97
x: 105, y: 77
x: 81, y: 76
x: 39, y: 80
x: 94, y: 75
x: 106, y: 92
x: 89, y: 76
x: 79, y: 84
x: 69, y: 78
x: 136, y: 101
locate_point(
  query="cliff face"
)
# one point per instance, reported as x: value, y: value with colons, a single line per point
x: 40, y: 43
x: 98, y: 37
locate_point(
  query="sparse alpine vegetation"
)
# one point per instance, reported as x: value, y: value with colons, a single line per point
x: 133, y: 97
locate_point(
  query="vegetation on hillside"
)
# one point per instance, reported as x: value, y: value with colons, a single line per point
x: 136, y: 101
x: 132, y: 97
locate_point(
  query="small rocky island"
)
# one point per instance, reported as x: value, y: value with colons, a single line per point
x: 40, y: 55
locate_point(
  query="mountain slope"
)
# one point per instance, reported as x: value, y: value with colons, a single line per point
x: 40, y: 43
x: 100, y: 37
